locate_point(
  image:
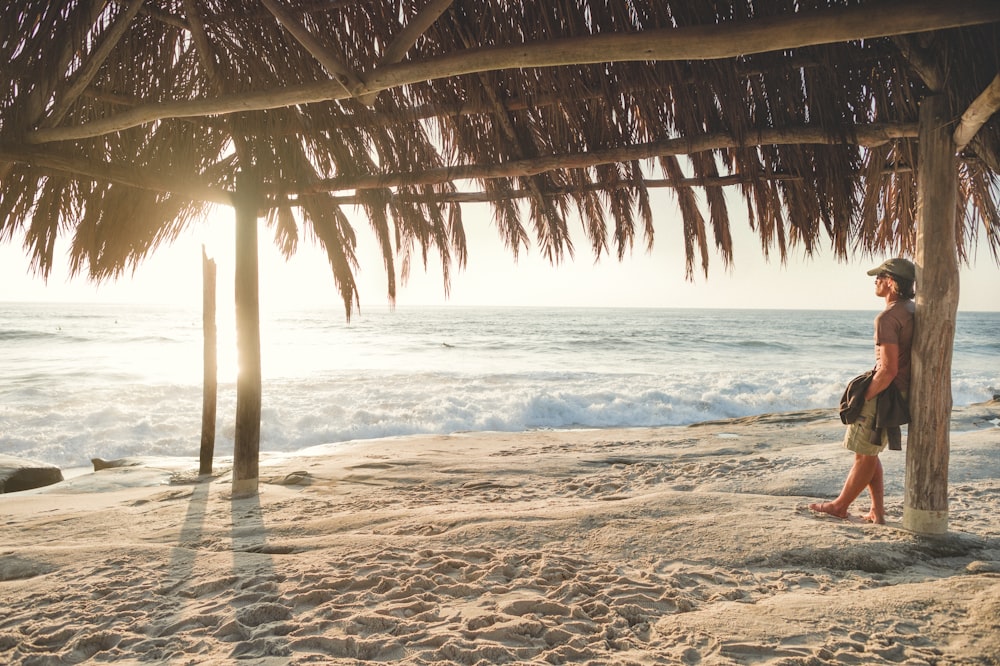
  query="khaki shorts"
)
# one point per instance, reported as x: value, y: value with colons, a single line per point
x: 861, y: 436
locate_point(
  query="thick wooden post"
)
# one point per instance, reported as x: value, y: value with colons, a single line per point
x: 925, y: 509
x: 246, y: 447
x: 210, y: 381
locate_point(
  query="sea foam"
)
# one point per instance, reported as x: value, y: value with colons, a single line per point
x: 111, y: 382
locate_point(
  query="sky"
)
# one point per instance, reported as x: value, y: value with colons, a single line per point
x: 643, y: 279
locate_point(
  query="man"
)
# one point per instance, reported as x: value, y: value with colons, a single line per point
x: 893, y: 339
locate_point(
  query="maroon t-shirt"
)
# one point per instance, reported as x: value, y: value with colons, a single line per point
x: 894, y: 326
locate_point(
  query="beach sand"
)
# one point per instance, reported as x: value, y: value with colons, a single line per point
x: 678, y: 545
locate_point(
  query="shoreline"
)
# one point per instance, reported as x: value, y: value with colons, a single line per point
x: 673, y: 545
x: 964, y: 417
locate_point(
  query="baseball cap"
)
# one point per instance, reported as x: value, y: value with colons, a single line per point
x: 897, y: 267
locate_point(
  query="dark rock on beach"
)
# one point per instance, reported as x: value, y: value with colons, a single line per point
x: 101, y: 463
x: 18, y: 474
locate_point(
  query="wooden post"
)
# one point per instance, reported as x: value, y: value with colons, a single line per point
x: 210, y: 382
x: 925, y: 509
x: 246, y: 447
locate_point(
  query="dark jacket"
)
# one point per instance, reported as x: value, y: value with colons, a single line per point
x: 891, y: 409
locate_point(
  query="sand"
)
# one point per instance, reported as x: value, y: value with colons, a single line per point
x: 680, y: 545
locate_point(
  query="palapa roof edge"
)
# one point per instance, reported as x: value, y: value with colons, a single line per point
x: 122, y: 122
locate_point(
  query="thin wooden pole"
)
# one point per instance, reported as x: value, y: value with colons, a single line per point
x: 925, y: 509
x: 246, y: 447
x: 211, y: 365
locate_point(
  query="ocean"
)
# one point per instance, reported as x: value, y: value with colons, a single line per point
x: 79, y: 381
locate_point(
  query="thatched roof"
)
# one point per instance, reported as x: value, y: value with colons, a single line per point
x: 120, y: 122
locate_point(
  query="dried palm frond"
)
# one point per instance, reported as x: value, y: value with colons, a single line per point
x: 121, y: 122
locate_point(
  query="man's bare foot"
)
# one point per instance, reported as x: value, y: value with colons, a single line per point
x: 872, y: 517
x: 828, y: 508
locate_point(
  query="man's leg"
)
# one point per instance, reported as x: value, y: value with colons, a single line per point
x: 860, y: 477
x: 877, y: 490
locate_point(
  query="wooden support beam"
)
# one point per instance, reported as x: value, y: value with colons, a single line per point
x: 486, y: 197
x: 202, y: 44
x: 408, y: 36
x: 925, y: 509
x: 922, y: 60
x: 34, y: 100
x: 417, y: 26
x: 744, y: 68
x: 872, y: 135
x: 246, y: 445
x: 165, y: 18
x: 78, y: 167
x: 86, y: 73
x: 869, y: 136
x: 341, y: 73
x: 977, y: 114
x: 714, y: 42
x: 708, y: 42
